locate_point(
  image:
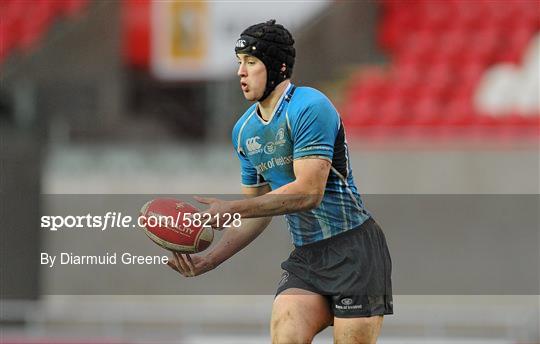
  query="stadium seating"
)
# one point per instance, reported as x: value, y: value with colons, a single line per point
x: 23, y: 23
x: 442, y: 53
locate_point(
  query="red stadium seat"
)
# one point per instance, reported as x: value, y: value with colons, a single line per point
x: 369, y: 83
x: 450, y: 46
x: 417, y: 45
x: 405, y: 82
x: 394, y: 27
x: 469, y: 15
x: 481, y: 47
x: 458, y: 112
x: 435, y: 16
x: 515, y: 45
x: 439, y: 82
x: 360, y: 114
x: 391, y: 112
x: 467, y: 78
x: 426, y: 112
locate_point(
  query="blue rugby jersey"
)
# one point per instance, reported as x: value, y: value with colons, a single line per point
x: 304, y: 124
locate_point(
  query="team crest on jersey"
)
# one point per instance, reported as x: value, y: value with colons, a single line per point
x: 280, y: 136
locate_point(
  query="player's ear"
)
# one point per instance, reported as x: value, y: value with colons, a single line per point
x: 283, y: 67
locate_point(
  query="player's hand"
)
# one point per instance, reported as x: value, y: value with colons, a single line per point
x: 189, y: 266
x: 217, y: 210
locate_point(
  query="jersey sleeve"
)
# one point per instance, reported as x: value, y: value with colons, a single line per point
x: 248, y: 174
x: 315, y: 129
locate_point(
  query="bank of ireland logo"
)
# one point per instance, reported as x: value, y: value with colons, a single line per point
x: 253, y: 145
x: 347, y: 302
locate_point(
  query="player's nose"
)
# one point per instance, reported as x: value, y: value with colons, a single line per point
x: 241, y: 70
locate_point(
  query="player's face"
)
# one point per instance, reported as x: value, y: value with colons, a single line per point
x: 252, y: 73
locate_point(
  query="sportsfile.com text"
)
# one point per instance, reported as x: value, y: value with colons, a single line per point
x: 117, y: 220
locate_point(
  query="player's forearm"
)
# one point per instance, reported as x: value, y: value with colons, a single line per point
x: 287, y: 199
x: 235, y: 239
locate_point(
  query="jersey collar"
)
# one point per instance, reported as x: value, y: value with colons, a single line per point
x: 279, y: 105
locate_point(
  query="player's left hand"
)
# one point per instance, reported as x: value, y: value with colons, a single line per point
x: 188, y: 265
x: 217, y: 210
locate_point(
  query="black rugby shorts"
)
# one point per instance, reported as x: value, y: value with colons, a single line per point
x: 352, y: 270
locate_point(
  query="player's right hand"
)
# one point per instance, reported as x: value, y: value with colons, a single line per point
x: 188, y: 265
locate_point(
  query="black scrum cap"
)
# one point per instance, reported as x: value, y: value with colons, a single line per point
x: 274, y: 46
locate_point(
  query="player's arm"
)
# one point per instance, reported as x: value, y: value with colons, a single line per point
x: 233, y: 240
x: 304, y: 193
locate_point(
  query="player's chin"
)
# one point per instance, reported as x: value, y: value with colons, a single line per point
x: 250, y: 96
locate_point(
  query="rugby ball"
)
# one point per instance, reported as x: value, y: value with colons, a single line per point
x: 166, y: 222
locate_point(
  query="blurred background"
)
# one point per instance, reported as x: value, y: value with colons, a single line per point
x: 139, y: 97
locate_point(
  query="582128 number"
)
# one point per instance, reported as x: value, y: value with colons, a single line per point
x: 225, y: 220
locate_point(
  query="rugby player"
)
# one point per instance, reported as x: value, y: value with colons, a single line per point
x: 294, y: 161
